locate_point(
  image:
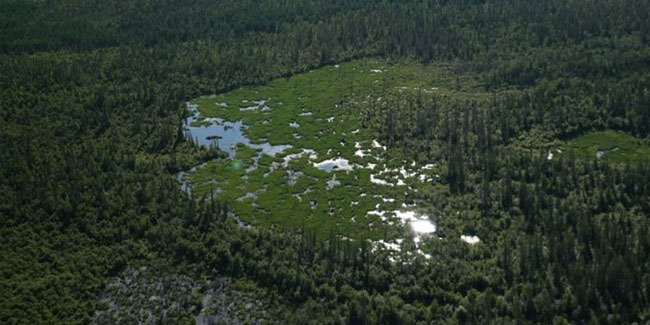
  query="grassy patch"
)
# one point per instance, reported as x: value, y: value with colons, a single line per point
x: 612, y: 146
x: 322, y: 110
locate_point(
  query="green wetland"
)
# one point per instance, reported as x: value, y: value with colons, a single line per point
x: 303, y: 152
x: 329, y: 173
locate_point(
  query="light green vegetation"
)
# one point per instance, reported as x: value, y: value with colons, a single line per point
x: 328, y: 104
x: 616, y: 147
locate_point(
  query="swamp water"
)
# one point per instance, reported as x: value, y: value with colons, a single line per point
x: 225, y: 135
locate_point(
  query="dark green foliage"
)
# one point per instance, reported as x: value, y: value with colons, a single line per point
x: 91, y: 97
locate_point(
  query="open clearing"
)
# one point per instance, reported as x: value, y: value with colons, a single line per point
x: 612, y: 146
x: 301, y: 156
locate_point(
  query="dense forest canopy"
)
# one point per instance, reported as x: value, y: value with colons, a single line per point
x: 92, y: 98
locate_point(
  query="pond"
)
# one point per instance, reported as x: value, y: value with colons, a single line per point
x: 225, y: 135
x: 334, y: 164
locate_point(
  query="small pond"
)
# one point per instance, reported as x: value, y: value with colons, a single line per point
x: 224, y: 134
